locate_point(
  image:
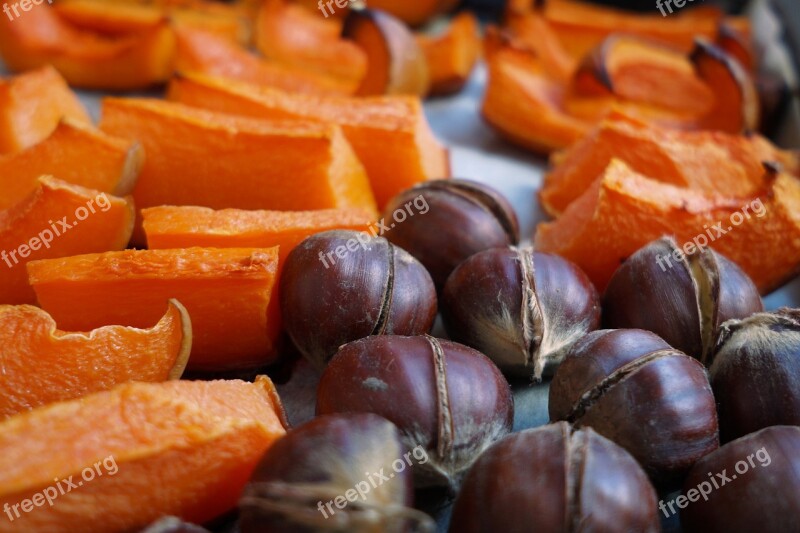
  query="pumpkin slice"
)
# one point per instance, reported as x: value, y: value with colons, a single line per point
x: 581, y: 26
x: 32, y: 105
x: 641, y: 71
x: 292, y: 35
x: 734, y: 38
x: 115, y: 461
x: 85, y: 58
x: 390, y: 135
x: 43, y: 365
x: 525, y: 105
x: 76, y: 153
x: 622, y: 211
x: 207, y: 53
x: 196, y: 157
x: 57, y: 220
x: 228, y: 293
x: 710, y: 162
x: 452, y: 56
x: 737, y: 108
x: 530, y: 31
x: 184, y: 227
x: 109, y: 18
x: 396, y: 63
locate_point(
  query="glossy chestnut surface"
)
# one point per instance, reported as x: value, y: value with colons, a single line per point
x: 756, y: 373
x: 332, y: 474
x: 750, y: 484
x: 521, y: 308
x: 462, y: 218
x: 556, y: 479
x: 445, y: 397
x: 340, y: 286
x: 682, y: 298
x: 633, y: 388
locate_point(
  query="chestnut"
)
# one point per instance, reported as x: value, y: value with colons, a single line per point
x: 339, y: 286
x: 635, y: 389
x: 172, y: 524
x: 344, y: 472
x: 756, y: 373
x: 457, y: 218
x: 682, y: 297
x: 444, y: 397
x: 750, y: 484
x: 555, y: 479
x: 523, y: 309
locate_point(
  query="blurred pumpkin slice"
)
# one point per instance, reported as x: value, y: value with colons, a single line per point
x: 43, y: 365
x: 452, y: 56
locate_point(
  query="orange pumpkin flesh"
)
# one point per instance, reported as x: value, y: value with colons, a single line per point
x: 43, y: 365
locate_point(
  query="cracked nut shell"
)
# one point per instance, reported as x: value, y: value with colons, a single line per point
x: 681, y: 298
x: 326, y: 461
x: 463, y: 217
x: 339, y: 286
x: 633, y: 388
x: 445, y: 397
x: 756, y: 373
x: 523, y: 309
x: 555, y: 479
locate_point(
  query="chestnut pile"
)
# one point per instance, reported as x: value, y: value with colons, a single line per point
x: 690, y: 378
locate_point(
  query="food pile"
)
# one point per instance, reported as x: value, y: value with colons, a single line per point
x: 285, y: 208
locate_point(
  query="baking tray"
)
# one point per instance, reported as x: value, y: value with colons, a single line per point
x: 478, y: 153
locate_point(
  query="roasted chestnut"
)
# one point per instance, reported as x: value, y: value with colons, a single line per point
x: 458, y: 218
x: 750, y: 484
x: 682, y: 295
x: 345, y: 472
x: 756, y: 373
x: 447, y: 398
x: 521, y: 308
x: 635, y: 389
x: 340, y: 286
x: 554, y: 479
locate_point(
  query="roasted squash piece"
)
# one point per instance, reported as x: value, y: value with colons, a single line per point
x: 710, y: 162
x: 31, y: 106
x: 43, y: 365
x: 623, y: 210
x: 207, y: 53
x: 530, y: 31
x: 737, y: 108
x: 525, y: 105
x: 139, y: 452
x: 291, y: 35
x: 395, y: 62
x: 57, y: 220
x: 76, y: 153
x: 451, y: 57
x: 390, y: 135
x: 229, y: 294
x: 196, y: 157
x: 87, y: 59
x: 640, y: 71
x: 185, y: 227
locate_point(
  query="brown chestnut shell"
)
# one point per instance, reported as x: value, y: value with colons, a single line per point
x: 296, y: 485
x: 682, y: 298
x: 756, y: 373
x: 555, y: 479
x: 443, y: 396
x: 370, y: 288
x: 750, y: 484
x: 523, y: 309
x: 633, y: 388
x: 463, y: 217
